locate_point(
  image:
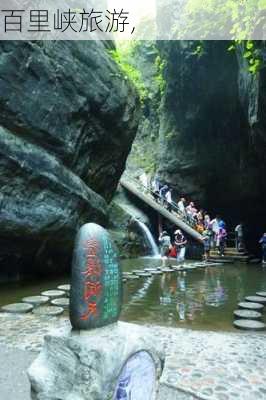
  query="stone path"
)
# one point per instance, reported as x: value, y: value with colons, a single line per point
x: 217, y: 366
x: 197, y: 365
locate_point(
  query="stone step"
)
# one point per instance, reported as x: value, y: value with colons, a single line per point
x: 247, y: 314
x: 230, y: 253
x: 19, y: 308
x: 262, y: 294
x: 256, y: 299
x: 249, y: 324
x: 36, y: 300
x: 250, y: 306
x: 222, y: 260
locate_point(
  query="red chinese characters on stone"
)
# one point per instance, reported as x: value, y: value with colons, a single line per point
x: 92, y: 289
x: 92, y: 285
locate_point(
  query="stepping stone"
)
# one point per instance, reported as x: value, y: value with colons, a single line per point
x: 247, y: 314
x: 125, y: 274
x: 20, y: 308
x: 256, y: 299
x: 150, y: 269
x: 157, y: 272
x: 190, y: 267
x: 124, y: 280
x: 250, y: 306
x: 144, y: 274
x: 53, y: 294
x: 36, y: 300
x: 48, y: 310
x: 249, y: 324
x: 132, y: 278
x: 61, y: 302
x: 254, y: 261
x: 138, y: 271
x: 166, y: 270
x: 262, y: 294
x: 65, y: 288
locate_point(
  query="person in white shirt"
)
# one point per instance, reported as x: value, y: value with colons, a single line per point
x: 182, y: 207
x: 168, y: 198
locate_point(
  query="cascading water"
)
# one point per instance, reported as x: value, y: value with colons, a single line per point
x: 149, y: 238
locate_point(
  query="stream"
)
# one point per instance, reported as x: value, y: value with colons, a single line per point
x: 202, y: 299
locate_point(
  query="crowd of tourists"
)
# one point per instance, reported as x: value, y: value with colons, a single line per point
x: 213, y: 231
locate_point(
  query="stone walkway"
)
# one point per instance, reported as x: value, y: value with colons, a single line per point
x: 197, y: 365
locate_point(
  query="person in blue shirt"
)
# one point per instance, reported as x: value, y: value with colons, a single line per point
x: 263, y: 247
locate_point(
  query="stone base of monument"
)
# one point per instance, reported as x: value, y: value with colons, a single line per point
x: 97, y: 364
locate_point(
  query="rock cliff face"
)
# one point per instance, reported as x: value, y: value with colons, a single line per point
x: 67, y: 122
x: 212, y: 130
x: 211, y: 123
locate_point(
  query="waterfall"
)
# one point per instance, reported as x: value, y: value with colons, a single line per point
x: 149, y: 238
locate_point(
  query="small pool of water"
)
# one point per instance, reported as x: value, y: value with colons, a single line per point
x: 197, y: 299
x: 202, y: 299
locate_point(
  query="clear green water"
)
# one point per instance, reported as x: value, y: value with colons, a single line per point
x: 196, y: 299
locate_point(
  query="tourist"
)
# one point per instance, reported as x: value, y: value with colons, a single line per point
x: 144, y: 180
x: 199, y: 227
x: 207, y: 237
x: 215, y: 229
x: 191, y: 213
x: 165, y: 244
x: 239, y: 235
x: 168, y: 198
x: 200, y: 216
x: 182, y: 207
x: 207, y: 221
x: 221, y: 224
x: 263, y: 247
x: 163, y: 192
x: 180, y: 244
x: 156, y: 184
x: 155, y: 189
x: 222, y: 234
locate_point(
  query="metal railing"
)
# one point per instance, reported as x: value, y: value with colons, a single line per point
x: 162, y: 201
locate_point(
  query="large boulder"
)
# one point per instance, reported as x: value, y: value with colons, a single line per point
x: 67, y: 123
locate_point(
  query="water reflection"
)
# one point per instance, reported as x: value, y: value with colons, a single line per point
x: 201, y: 299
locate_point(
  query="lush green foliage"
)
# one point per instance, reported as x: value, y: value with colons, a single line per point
x: 252, y: 53
x: 122, y: 57
x: 240, y: 18
x: 160, y: 66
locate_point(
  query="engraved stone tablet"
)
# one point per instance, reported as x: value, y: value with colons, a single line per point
x: 96, y: 281
x: 137, y: 380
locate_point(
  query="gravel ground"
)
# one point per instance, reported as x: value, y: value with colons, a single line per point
x: 14, y: 384
x: 198, y: 365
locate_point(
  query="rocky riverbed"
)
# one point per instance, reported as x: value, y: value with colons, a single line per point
x: 197, y: 365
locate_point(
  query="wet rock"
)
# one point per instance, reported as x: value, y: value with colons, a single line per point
x: 250, y: 306
x: 247, y: 314
x: 48, y: 310
x: 36, y: 300
x: 256, y: 299
x: 65, y: 131
x: 62, y: 302
x: 249, y: 324
x: 53, y: 294
x: 19, y: 308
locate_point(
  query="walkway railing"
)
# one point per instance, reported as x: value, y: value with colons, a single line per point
x: 147, y: 195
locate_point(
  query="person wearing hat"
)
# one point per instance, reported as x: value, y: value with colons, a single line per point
x: 180, y: 243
